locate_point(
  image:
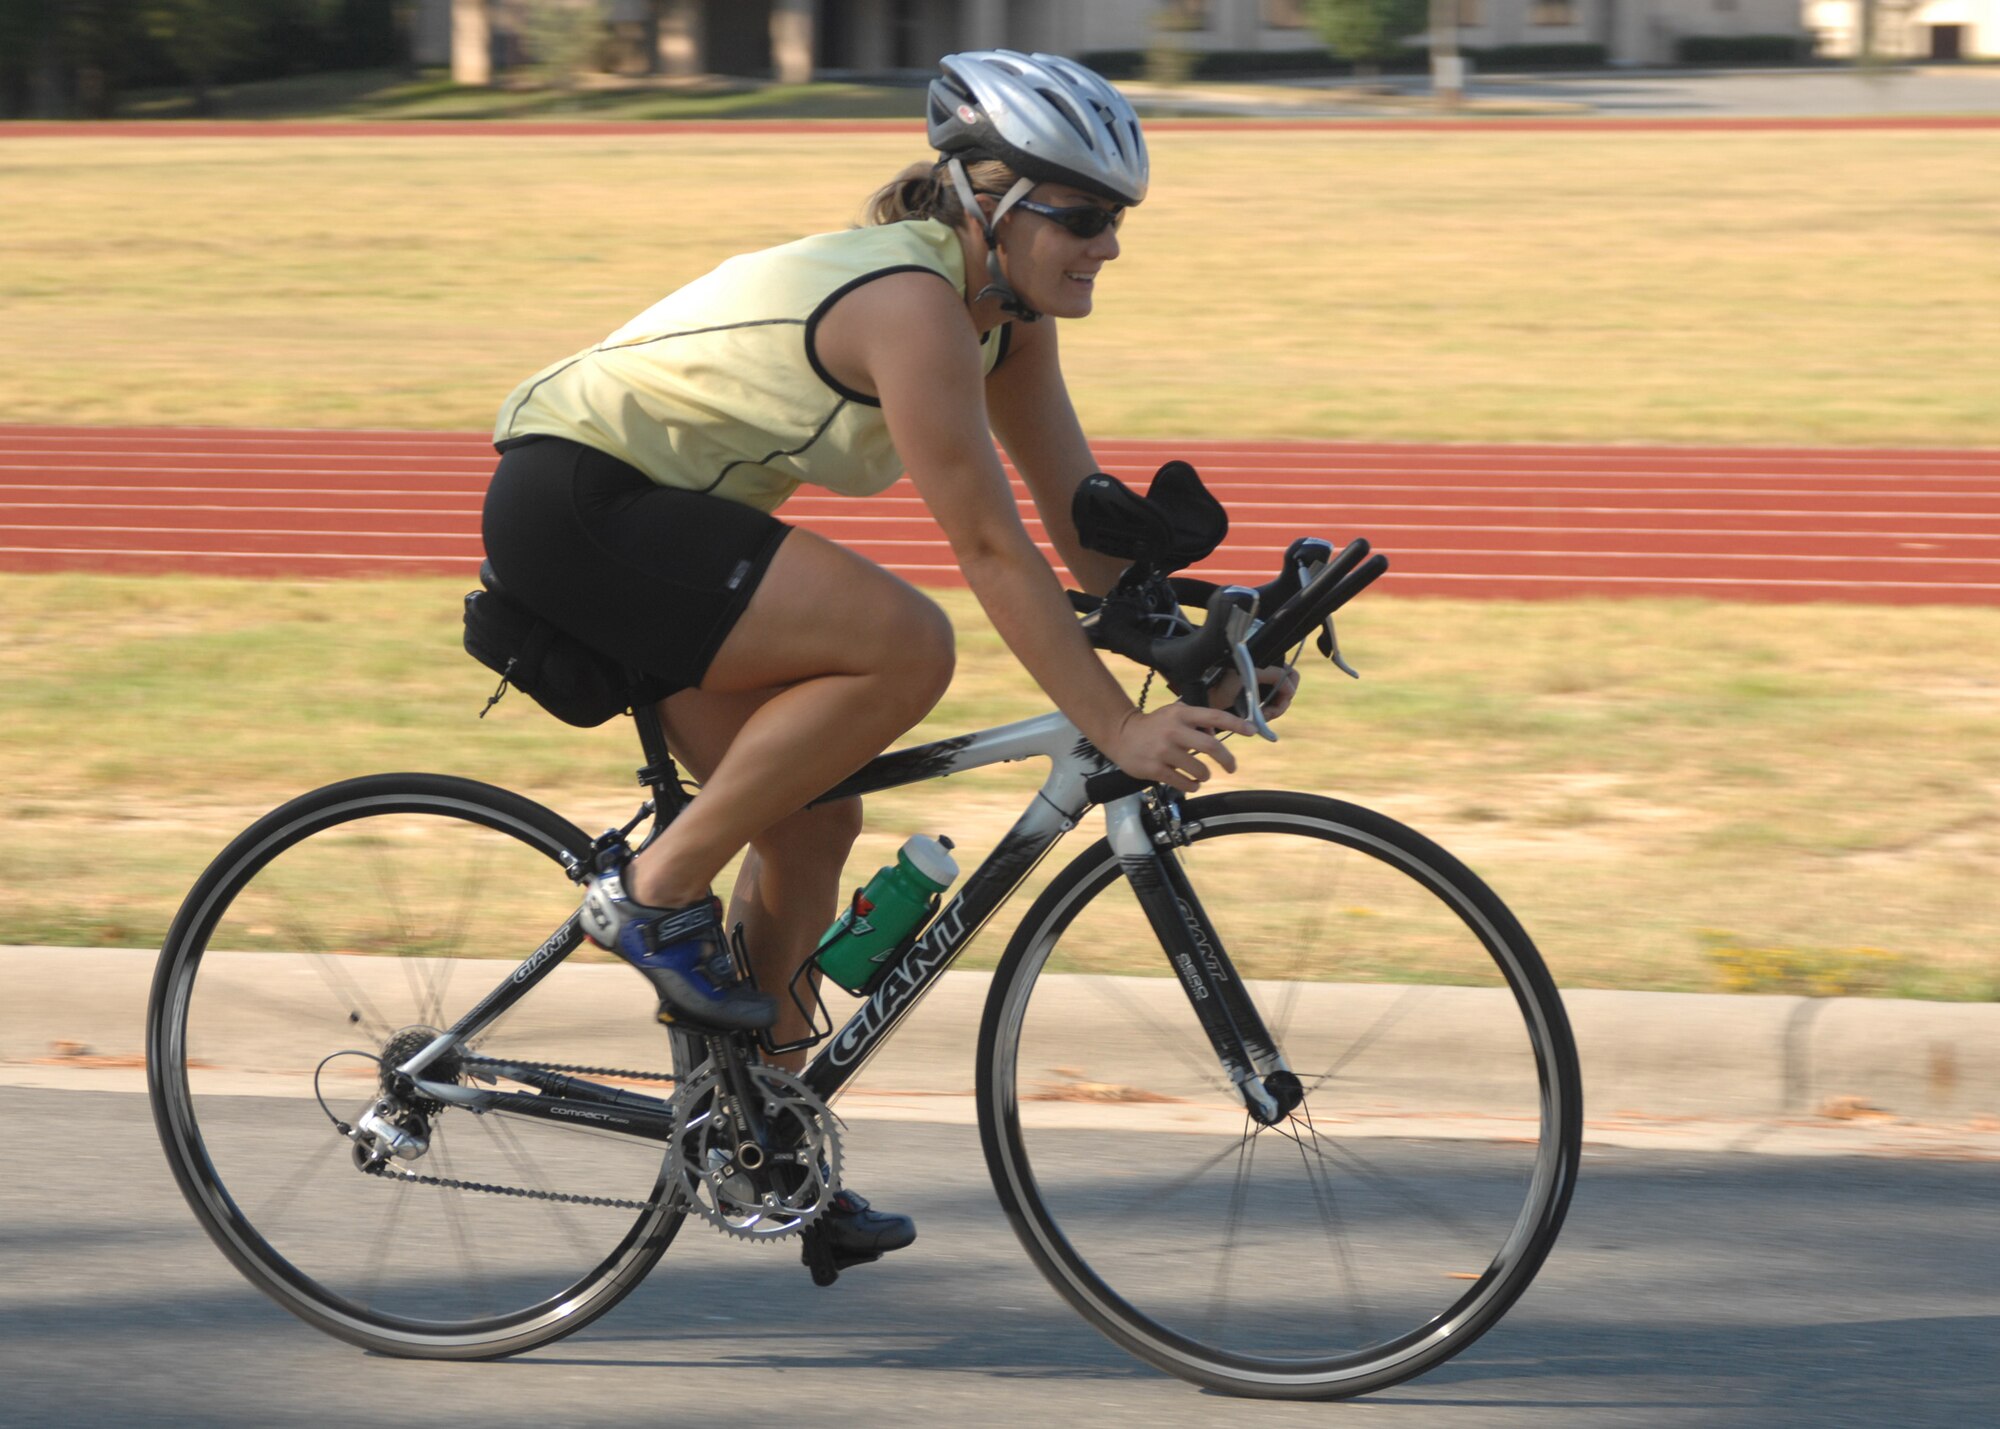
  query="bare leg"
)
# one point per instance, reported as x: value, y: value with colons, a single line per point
x: 832, y: 660
x: 786, y: 894
x: 788, y: 887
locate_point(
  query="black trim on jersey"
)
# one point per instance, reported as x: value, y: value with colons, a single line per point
x: 812, y: 326
x: 637, y: 342
x: 1006, y: 341
x: 532, y: 390
x: 693, y: 332
x: 795, y: 451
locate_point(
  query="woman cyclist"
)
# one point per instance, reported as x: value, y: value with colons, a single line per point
x: 632, y: 508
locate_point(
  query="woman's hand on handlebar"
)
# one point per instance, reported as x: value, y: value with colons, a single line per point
x: 1277, y: 684
x: 1164, y: 746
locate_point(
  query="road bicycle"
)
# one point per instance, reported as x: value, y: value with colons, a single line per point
x: 1319, y: 1146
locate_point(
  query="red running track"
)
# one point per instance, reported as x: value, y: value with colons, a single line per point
x: 1876, y: 526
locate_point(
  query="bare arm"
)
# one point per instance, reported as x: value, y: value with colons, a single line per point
x: 1029, y: 406
x: 909, y: 339
x: 1032, y: 414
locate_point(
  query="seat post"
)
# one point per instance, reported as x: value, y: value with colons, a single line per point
x: 658, y: 773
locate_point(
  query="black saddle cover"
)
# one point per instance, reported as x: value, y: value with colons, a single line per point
x: 576, y: 683
x: 1175, y: 524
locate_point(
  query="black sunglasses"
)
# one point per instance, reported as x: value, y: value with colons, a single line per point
x: 1085, y: 220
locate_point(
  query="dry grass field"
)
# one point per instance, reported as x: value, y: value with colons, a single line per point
x: 1752, y: 287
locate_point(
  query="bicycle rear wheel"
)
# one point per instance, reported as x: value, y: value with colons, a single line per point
x: 338, y: 932
x: 1394, y: 1215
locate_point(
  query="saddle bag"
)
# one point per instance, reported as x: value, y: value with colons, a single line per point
x: 577, y: 684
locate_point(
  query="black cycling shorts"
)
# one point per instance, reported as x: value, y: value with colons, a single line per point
x: 651, y: 574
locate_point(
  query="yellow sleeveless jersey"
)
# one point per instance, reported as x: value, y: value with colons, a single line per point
x: 717, y: 387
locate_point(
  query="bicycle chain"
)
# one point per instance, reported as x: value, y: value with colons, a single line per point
x: 471, y: 1060
x: 452, y: 1183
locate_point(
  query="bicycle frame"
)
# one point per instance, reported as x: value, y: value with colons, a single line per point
x: 1142, y: 828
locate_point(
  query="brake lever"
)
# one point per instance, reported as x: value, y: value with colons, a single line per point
x: 1329, y: 646
x: 1241, y: 620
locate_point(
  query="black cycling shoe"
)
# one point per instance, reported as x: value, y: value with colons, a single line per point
x: 851, y: 1233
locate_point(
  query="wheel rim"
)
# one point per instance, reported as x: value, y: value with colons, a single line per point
x: 345, y: 926
x: 1395, y: 1215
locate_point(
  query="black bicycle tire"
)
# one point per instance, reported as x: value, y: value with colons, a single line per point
x: 549, y: 1319
x: 1448, y: 1334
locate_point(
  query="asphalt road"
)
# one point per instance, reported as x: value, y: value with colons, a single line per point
x: 1687, y: 1289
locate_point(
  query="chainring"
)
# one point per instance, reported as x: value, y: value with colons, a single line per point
x: 791, y: 1192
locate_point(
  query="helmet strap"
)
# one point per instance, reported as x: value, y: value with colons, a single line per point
x: 998, y: 286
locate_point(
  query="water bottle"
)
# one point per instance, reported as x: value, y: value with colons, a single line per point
x: 896, y: 900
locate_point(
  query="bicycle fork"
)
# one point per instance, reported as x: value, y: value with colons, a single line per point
x: 1244, y: 1047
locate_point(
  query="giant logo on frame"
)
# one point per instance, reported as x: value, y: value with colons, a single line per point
x: 900, y: 986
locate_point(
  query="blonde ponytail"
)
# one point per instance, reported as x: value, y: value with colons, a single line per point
x: 924, y: 190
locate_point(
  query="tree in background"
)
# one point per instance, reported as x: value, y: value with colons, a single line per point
x: 203, y: 38
x: 563, y: 38
x: 1366, y: 32
x: 68, y: 58
x: 61, y: 58
x: 24, y: 43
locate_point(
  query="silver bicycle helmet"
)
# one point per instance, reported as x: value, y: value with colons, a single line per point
x: 1048, y: 119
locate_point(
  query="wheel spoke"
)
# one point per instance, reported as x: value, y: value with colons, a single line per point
x: 279, y: 1199
x: 426, y: 984
x: 1326, y: 1151
x: 378, y: 1247
x: 1246, y: 1156
x: 1159, y: 1195
x: 1327, y: 1202
x: 1391, y: 1015
x: 345, y: 988
x: 531, y: 1174
x: 1208, y: 1073
x: 452, y: 1207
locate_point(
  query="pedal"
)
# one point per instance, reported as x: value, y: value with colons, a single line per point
x: 817, y: 1257
x: 824, y: 1261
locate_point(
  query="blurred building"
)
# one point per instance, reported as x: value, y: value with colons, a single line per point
x: 795, y: 39
x: 1631, y: 32
x: 1908, y: 29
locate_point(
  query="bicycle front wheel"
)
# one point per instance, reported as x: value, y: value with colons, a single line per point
x: 340, y: 932
x: 1388, y: 1220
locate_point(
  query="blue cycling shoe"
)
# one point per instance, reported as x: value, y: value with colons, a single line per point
x: 683, y: 952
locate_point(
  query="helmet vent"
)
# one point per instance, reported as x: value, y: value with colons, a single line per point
x: 1066, y: 107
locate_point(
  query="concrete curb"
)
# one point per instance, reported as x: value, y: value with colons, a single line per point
x: 1662, y: 1056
